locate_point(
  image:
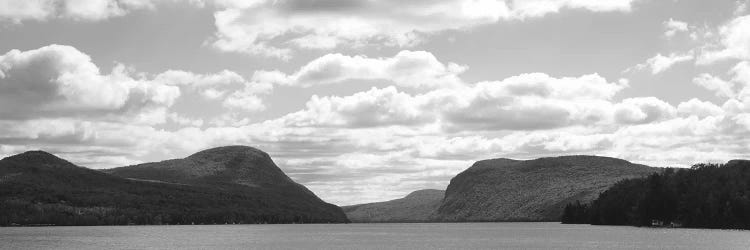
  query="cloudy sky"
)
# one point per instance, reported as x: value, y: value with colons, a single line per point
x: 365, y: 100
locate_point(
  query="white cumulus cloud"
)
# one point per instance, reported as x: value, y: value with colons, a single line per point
x: 673, y: 27
x: 660, y: 63
x: 58, y: 80
x: 413, y: 69
x: 734, y: 42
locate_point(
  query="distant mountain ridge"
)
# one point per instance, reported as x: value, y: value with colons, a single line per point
x: 531, y: 190
x: 234, y: 184
x: 418, y: 206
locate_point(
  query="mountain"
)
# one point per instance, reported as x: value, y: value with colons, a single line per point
x: 223, y: 185
x: 531, y: 190
x: 418, y: 206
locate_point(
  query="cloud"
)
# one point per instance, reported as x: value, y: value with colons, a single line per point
x: 524, y: 102
x: 80, y: 10
x: 58, y: 80
x: 741, y: 7
x: 528, y: 102
x: 734, y: 42
x: 741, y: 73
x: 248, y: 99
x: 251, y: 28
x: 56, y: 131
x: 22, y: 10
x: 211, y: 86
x: 184, y: 121
x: 412, y: 69
x: 643, y: 110
x: 741, y: 77
x: 375, y: 107
x: 660, y: 63
x: 89, y: 10
x: 538, y: 8
x: 89, y: 142
x: 473, y: 147
x: 236, y: 92
x: 674, y: 26
x: 277, y: 28
x: 737, y: 87
x: 720, y: 87
x: 681, y: 141
x: 699, y: 108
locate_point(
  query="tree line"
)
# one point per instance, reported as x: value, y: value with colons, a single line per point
x: 71, y: 199
x: 704, y: 196
x: 20, y: 213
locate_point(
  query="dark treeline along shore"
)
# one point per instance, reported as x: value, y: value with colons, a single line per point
x: 704, y: 196
x: 239, y: 184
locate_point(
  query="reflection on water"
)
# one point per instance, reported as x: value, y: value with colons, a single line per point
x: 373, y: 236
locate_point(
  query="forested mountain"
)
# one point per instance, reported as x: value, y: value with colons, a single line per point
x: 532, y: 190
x: 704, y: 196
x: 418, y: 206
x: 224, y: 185
x: 240, y: 165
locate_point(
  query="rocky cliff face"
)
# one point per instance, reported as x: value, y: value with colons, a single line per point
x: 532, y: 190
x: 234, y: 184
x: 418, y: 206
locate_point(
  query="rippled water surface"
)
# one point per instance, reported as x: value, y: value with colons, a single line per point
x: 372, y: 236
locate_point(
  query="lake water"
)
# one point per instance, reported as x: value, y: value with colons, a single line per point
x: 372, y: 236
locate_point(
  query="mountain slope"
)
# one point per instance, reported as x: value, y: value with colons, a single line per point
x: 40, y: 188
x: 416, y: 207
x: 231, y: 164
x: 532, y: 190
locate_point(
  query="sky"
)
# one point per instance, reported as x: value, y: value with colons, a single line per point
x: 369, y: 100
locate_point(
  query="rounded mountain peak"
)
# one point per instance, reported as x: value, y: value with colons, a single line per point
x: 579, y: 160
x: 425, y: 192
x: 236, y: 164
x: 226, y: 153
x: 228, y: 164
x: 38, y: 157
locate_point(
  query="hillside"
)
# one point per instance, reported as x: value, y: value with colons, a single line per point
x: 531, y: 190
x: 240, y: 165
x: 704, y: 196
x: 218, y: 186
x: 418, y: 206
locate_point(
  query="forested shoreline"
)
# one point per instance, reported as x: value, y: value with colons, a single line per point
x: 704, y: 196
